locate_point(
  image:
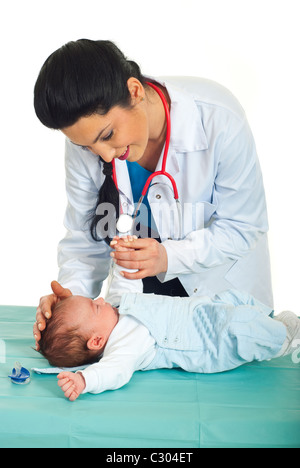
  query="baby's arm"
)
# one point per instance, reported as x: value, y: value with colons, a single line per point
x: 129, y: 347
x: 117, y: 284
x: 110, y: 373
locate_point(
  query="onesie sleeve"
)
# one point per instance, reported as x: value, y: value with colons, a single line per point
x: 117, y: 285
x: 111, y: 373
x: 129, y: 348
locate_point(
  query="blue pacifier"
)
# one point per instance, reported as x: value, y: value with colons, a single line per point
x: 20, y: 375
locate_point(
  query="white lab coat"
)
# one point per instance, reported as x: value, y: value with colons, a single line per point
x: 212, y: 156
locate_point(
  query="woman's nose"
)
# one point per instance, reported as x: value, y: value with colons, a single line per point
x: 106, y: 152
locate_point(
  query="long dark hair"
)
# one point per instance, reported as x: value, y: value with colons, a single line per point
x: 80, y: 79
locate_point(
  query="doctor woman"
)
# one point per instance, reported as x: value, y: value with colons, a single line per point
x: 115, y: 127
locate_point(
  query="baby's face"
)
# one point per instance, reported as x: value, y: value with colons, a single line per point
x: 92, y: 317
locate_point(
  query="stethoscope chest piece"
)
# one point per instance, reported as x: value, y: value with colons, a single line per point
x: 125, y: 224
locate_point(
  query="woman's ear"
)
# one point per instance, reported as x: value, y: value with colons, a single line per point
x: 136, y: 90
x: 95, y: 343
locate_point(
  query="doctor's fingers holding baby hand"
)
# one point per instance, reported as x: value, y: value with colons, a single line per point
x: 146, y: 255
x: 122, y: 244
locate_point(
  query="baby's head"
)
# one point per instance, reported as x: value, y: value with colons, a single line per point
x: 78, y: 331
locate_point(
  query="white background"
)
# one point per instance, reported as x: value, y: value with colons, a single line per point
x: 249, y: 46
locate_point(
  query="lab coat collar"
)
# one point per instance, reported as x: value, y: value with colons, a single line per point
x: 187, y: 132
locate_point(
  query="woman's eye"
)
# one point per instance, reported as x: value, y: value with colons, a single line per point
x: 108, y: 137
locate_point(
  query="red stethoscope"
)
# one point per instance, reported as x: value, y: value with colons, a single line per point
x: 125, y: 222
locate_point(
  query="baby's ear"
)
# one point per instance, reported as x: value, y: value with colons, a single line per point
x: 96, y: 343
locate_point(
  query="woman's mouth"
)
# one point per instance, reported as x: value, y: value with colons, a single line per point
x: 125, y: 155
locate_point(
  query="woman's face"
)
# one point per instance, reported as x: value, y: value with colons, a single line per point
x: 121, y: 133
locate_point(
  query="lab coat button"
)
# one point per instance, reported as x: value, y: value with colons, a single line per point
x: 166, y: 340
x: 195, y: 290
x: 158, y: 196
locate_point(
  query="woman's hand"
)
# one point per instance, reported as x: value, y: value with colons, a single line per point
x: 71, y: 384
x: 44, y: 310
x: 147, y: 256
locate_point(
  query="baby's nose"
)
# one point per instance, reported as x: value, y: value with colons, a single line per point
x: 100, y: 301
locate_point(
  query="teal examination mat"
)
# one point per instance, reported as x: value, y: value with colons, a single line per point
x: 257, y: 405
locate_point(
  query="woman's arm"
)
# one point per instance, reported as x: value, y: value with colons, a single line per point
x: 240, y: 217
x: 239, y: 220
x: 83, y: 263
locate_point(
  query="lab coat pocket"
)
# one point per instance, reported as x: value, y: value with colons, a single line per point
x: 252, y: 273
x: 197, y: 216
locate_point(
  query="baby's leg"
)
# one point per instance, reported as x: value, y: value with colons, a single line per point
x: 237, y: 335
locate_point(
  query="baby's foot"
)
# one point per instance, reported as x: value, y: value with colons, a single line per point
x: 292, y: 324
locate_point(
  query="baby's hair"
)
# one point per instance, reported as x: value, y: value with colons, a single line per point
x: 63, y: 345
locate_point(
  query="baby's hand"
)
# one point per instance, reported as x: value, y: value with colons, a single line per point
x: 115, y: 243
x: 71, y: 384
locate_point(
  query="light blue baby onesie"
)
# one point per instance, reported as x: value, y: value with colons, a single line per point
x: 207, y: 335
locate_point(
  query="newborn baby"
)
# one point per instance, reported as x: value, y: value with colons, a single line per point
x: 197, y: 334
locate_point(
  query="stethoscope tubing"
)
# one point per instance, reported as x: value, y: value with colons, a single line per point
x: 163, y: 171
